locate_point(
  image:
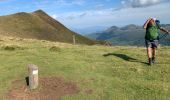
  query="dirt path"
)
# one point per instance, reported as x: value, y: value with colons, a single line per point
x: 49, y: 89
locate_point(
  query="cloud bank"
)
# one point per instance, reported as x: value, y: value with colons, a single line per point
x: 140, y: 3
x: 109, y: 17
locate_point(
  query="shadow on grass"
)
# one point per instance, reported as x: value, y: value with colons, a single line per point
x: 124, y: 57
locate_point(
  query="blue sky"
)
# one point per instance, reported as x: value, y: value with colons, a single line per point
x: 88, y: 13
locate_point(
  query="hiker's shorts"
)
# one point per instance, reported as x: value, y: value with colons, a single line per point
x: 151, y: 43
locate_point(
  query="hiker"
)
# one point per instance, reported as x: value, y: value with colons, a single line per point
x: 152, y: 37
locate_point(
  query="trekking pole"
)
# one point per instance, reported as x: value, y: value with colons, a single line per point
x: 165, y: 35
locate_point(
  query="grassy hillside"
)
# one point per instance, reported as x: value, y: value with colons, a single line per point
x: 102, y: 73
x: 38, y: 25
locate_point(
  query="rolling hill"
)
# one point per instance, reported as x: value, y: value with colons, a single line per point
x: 38, y: 25
x: 127, y: 35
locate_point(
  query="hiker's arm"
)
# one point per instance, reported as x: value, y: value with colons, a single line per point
x: 164, y: 30
x: 146, y: 23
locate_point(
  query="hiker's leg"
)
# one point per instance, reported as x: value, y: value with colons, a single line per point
x: 153, y: 52
x: 149, y: 52
x: 149, y: 48
x: 155, y: 45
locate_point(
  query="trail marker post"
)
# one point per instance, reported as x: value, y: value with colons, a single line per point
x: 74, y: 39
x: 33, y: 76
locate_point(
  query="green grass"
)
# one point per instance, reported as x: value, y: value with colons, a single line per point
x: 119, y: 75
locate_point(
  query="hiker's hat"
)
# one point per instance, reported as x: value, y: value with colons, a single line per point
x: 153, y: 18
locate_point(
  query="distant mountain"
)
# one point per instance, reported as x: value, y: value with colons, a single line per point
x: 38, y: 25
x: 127, y: 35
x: 87, y: 30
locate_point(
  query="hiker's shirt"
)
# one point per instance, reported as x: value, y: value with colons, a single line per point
x: 152, y: 32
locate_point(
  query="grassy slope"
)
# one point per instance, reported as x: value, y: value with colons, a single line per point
x: 62, y: 28
x: 116, y: 76
x: 38, y: 25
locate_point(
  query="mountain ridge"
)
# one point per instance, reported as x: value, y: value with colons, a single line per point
x: 39, y: 25
x: 128, y: 35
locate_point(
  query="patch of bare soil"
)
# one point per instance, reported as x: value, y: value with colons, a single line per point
x: 50, y: 88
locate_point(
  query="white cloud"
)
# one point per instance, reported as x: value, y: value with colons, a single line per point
x: 109, y: 17
x: 140, y: 3
x: 54, y: 16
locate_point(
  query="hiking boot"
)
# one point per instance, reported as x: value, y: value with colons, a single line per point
x: 150, y: 61
x: 153, y: 60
